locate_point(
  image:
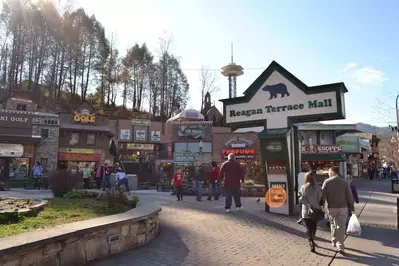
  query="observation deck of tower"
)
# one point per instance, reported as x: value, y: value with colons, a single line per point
x: 232, y: 71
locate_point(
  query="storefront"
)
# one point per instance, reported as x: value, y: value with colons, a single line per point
x: 25, y: 138
x: 130, y: 151
x: 84, y: 138
x: 278, y: 100
x: 246, y: 148
x: 320, y: 158
x: 76, y: 158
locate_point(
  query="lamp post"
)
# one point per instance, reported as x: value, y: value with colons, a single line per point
x: 397, y: 115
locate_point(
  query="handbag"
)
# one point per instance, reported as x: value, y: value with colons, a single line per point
x: 316, y: 214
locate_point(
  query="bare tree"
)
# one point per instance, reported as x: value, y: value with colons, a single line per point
x: 384, y: 109
x: 208, y: 79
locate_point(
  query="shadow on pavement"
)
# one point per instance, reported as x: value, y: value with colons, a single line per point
x: 387, y: 237
x: 166, y: 249
x: 367, y: 258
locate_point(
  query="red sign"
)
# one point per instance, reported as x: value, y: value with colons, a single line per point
x: 79, y: 157
x: 321, y: 149
x: 239, y: 153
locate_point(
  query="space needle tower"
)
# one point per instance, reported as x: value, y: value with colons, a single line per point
x: 232, y: 71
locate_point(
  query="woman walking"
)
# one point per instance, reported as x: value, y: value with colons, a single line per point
x: 312, y: 208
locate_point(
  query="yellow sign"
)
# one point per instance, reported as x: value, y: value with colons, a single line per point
x: 139, y: 146
x: 77, y: 150
x: 84, y: 116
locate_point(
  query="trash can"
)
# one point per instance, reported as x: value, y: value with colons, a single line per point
x: 395, y: 185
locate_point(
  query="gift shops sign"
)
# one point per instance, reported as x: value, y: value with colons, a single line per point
x: 321, y: 149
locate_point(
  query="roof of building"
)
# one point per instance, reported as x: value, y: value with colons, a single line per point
x: 187, y: 115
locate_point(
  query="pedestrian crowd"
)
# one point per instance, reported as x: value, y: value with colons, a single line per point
x: 230, y: 174
x: 335, y: 199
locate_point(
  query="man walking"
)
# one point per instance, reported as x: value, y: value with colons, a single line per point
x: 199, y: 182
x: 337, y: 193
x: 232, y: 174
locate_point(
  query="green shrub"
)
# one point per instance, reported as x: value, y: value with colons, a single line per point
x: 133, y: 202
x: 11, y: 217
x: 62, y: 182
x: 80, y: 194
x: 115, y: 197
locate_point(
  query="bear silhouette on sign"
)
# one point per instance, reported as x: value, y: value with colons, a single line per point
x: 276, y: 89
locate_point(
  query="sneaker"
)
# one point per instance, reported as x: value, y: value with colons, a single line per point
x: 239, y: 208
x: 341, y: 251
x: 299, y: 221
x: 228, y: 210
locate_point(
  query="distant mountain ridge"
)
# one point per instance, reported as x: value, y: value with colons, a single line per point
x: 382, y: 131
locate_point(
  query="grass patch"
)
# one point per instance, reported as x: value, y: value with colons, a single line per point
x: 61, y: 211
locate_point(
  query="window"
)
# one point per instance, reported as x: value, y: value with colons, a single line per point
x: 74, y: 138
x: 45, y: 133
x: 91, y: 138
x: 21, y: 107
x: 43, y: 162
x: 37, y: 120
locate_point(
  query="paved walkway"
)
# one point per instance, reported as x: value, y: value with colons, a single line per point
x: 377, y: 245
x: 193, y: 233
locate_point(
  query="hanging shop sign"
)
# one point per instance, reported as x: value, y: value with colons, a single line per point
x: 155, y: 135
x: 84, y: 116
x: 238, y: 142
x: 349, y: 144
x: 191, y: 131
x: 139, y: 146
x: 321, y: 149
x: 78, y: 157
x: 184, y: 157
x: 124, y: 134
x: 239, y: 153
x: 274, y: 146
x: 141, y: 122
x: 11, y: 150
x: 77, y: 150
x: 140, y: 135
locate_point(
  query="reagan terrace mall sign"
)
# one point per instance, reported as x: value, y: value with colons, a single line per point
x: 278, y: 98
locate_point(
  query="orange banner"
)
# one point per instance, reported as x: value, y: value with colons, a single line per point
x: 79, y: 157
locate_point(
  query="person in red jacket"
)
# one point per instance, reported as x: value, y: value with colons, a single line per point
x: 213, y: 181
x: 178, y: 181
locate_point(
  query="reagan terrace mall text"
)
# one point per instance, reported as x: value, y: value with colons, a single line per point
x: 282, y: 108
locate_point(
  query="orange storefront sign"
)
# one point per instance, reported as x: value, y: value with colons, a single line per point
x: 276, y: 197
x: 79, y: 157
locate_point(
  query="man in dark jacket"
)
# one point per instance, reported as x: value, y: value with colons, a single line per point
x: 232, y: 174
x: 199, y: 181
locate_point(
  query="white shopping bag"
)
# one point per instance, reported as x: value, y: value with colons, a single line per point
x: 354, y: 227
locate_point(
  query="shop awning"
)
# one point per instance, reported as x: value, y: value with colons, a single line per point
x: 337, y: 157
x: 20, y: 139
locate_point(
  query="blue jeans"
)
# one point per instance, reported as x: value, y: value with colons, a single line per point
x: 106, y: 182
x: 123, y: 182
x: 198, y: 188
x: 213, y: 191
x: 230, y: 193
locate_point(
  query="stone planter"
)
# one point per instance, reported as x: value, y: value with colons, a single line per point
x: 29, y: 212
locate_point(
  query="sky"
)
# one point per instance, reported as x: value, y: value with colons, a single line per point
x: 356, y: 42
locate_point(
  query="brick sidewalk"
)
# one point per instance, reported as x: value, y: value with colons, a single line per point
x: 378, y: 244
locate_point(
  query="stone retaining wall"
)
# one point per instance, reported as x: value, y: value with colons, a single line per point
x: 81, y: 242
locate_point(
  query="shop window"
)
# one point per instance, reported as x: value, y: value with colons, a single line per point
x: 43, y: 162
x: 21, y: 107
x: 37, y: 120
x: 91, y: 138
x: 44, y: 133
x: 74, y: 138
